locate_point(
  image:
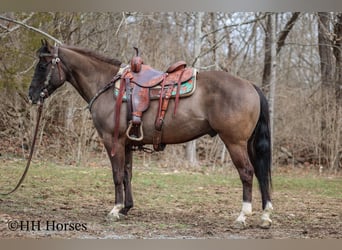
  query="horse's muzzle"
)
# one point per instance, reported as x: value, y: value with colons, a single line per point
x: 34, y: 98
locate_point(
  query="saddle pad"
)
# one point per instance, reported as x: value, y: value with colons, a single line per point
x: 186, y: 89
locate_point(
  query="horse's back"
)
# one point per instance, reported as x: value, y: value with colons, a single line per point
x: 215, y: 81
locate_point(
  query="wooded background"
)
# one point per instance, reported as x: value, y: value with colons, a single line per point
x: 295, y: 57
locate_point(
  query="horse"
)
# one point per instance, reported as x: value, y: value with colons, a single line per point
x: 225, y: 105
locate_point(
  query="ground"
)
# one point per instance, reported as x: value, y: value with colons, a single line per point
x: 73, y: 201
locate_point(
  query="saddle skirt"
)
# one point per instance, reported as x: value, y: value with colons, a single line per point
x: 187, y: 88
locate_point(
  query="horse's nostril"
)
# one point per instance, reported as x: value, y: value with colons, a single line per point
x: 31, y: 97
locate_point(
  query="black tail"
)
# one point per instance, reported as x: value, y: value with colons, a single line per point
x: 259, y: 150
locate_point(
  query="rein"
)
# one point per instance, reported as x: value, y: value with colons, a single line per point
x: 101, y: 91
x: 108, y: 86
x: 40, y: 109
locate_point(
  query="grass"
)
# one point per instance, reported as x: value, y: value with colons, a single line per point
x: 182, y: 185
x: 69, y: 183
x: 54, y: 186
x: 178, y: 201
x: 310, y: 183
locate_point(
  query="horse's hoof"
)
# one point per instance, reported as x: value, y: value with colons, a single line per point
x: 265, y: 224
x: 266, y: 221
x: 115, y: 217
x: 239, y: 224
x: 115, y: 214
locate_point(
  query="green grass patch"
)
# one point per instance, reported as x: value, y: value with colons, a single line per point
x: 321, y: 186
x: 73, y: 188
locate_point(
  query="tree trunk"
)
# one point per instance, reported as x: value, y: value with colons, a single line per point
x: 279, y: 45
x: 338, y: 57
x: 191, y: 146
x: 272, y: 77
x: 327, y: 80
x: 325, y: 48
x: 284, y: 33
x: 338, y: 90
x: 270, y: 63
x: 268, y: 56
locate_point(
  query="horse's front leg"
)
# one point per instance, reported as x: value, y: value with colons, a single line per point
x: 127, y: 180
x: 118, y: 167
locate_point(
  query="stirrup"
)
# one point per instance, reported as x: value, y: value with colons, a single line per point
x: 129, y: 130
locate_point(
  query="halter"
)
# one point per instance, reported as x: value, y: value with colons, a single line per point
x: 55, y: 61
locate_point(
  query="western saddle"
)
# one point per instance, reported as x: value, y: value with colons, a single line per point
x: 136, y: 81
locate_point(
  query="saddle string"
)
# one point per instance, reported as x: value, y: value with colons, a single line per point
x: 40, y: 109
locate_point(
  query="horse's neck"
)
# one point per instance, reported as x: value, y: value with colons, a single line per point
x: 88, y: 75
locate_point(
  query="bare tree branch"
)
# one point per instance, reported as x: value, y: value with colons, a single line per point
x: 122, y: 21
x: 235, y: 25
x: 22, y: 23
x: 213, y: 47
x: 17, y: 26
x: 283, y: 34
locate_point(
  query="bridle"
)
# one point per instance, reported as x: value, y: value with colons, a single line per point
x: 55, y: 61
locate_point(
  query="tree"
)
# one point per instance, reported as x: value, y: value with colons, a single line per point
x: 326, y: 62
x: 270, y: 38
x: 273, y: 74
x: 330, y: 68
x: 191, y: 146
x: 337, y: 50
x: 273, y: 46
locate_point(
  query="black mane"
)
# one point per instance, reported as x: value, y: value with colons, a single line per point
x: 94, y: 55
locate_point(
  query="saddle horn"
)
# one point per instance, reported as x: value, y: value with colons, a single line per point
x: 136, y: 51
x: 136, y: 61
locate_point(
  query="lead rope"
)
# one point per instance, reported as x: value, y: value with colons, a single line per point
x: 40, y: 109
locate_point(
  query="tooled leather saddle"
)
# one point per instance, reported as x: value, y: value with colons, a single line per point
x: 139, y: 84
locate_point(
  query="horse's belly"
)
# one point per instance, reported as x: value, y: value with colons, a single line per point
x: 179, y: 131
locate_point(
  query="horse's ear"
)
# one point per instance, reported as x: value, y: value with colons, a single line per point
x: 45, y: 43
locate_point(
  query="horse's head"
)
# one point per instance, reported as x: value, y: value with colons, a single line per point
x: 48, y: 75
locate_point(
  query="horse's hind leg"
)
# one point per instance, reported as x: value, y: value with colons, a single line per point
x: 239, y: 155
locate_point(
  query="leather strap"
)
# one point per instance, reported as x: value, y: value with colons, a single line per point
x: 40, y: 109
x: 161, y: 98
x: 129, y: 99
x: 163, y: 105
x: 178, y: 92
x: 117, y: 115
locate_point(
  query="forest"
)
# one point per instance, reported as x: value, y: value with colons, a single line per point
x: 295, y: 57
